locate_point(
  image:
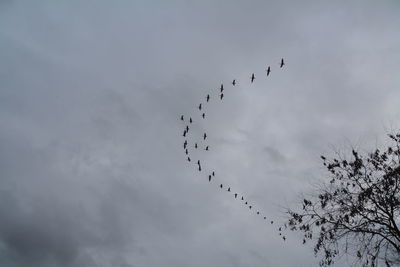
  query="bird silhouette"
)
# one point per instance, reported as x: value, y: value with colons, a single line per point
x: 284, y: 238
x: 213, y: 173
x: 185, y: 144
x: 187, y: 128
x: 203, y: 115
x: 272, y: 222
x: 245, y: 203
x: 282, y: 63
x: 268, y: 70
x: 265, y: 218
x: 235, y: 195
x: 204, y: 136
x: 188, y: 159
x: 209, y: 178
x: 221, y: 96
x: 252, y: 78
x: 242, y: 198
x: 221, y: 88
x: 258, y: 212
x: 280, y: 229
x: 181, y: 117
x: 186, y: 151
x: 184, y: 133
x: 206, y: 148
x: 220, y: 186
x: 229, y: 189
x: 198, y: 162
x: 208, y: 98
x: 249, y: 207
x: 234, y: 82
x: 195, y: 145
x: 190, y: 120
x: 200, y: 106
x: 199, y: 168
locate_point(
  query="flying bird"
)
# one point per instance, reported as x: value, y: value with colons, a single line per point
x: 186, y: 151
x: 272, y: 222
x: 204, y: 136
x: 195, y: 145
x: 187, y: 128
x: 249, y: 207
x: 234, y: 82
x: 268, y: 70
x: 284, y: 238
x: 198, y: 162
x: 221, y: 88
x: 200, y: 106
x: 258, y: 212
x: 282, y: 63
x: 209, y: 178
x: 184, y: 133
x: 221, y: 96
x: 188, y: 159
x: 213, y: 173
x: 252, y: 78
x: 245, y: 203
x: 199, y: 168
x: 206, y: 148
x: 181, y: 117
x: 185, y: 144
x: 190, y: 120
x: 265, y: 218
x: 208, y: 98
x: 229, y: 189
x: 235, y: 195
x: 242, y: 198
x: 203, y: 115
x: 220, y: 186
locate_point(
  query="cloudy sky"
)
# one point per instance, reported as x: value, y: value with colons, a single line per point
x: 92, y: 169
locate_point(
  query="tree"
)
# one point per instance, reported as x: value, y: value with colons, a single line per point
x: 355, y: 212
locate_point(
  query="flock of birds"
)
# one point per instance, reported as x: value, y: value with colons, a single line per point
x: 196, y: 145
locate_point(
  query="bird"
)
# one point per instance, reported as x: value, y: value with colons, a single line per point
x: 190, y: 120
x: 198, y: 162
x: 284, y: 238
x: 272, y: 222
x: 187, y: 128
x: 265, y: 218
x: 235, y: 195
x: 204, y: 136
x: 242, y: 198
x: 245, y: 203
x: 208, y: 98
x: 188, y: 159
x: 186, y: 151
x: 229, y: 189
x: 221, y: 96
x: 258, y: 212
x: 199, y: 168
x: 184, y: 133
x: 252, y: 78
x: 282, y: 63
x: 220, y: 186
x: 206, y: 148
x: 268, y: 70
x: 213, y: 173
x: 209, y: 178
x: 181, y: 117
x: 221, y: 88
x: 185, y: 144
x: 195, y: 145
x: 234, y: 82
x: 280, y: 229
x: 203, y: 115
x: 249, y: 207
x: 200, y: 106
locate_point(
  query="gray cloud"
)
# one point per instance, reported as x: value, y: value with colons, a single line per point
x: 91, y: 165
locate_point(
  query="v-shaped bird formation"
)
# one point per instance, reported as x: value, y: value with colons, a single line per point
x: 211, y: 176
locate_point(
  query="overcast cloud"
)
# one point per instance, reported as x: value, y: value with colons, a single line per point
x: 92, y: 171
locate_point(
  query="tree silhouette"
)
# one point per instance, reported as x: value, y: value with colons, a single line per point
x: 357, y: 211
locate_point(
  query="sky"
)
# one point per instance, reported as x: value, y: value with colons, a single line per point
x: 92, y: 168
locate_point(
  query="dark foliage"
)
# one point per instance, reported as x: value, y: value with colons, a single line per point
x: 357, y: 211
